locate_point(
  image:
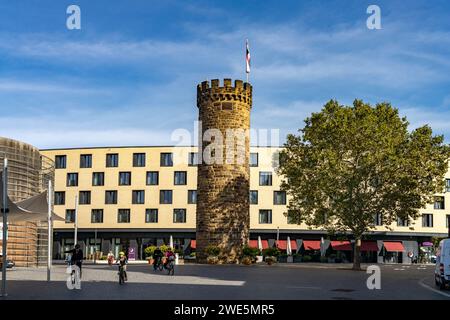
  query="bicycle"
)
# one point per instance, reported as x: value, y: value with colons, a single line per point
x: 170, y: 267
x: 158, y: 265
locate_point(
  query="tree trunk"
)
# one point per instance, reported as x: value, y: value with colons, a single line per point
x: 357, y: 254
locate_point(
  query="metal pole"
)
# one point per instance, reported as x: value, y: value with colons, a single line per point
x: 448, y: 223
x: 5, y: 225
x: 75, y: 240
x: 50, y: 230
x: 95, y: 247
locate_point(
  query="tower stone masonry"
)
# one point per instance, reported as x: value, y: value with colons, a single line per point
x: 223, y: 211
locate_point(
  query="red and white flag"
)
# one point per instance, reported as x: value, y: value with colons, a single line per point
x: 247, y: 57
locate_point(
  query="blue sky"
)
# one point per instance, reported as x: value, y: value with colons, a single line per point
x: 129, y: 76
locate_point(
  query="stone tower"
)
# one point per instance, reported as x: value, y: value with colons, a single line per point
x: 223, y: 186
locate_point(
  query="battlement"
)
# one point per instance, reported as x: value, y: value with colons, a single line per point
x: 211, y: 90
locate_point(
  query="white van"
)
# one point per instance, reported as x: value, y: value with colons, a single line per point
x: 442, y: 270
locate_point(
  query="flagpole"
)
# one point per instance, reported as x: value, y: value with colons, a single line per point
x: 50, y: 230
x: 5, y: 225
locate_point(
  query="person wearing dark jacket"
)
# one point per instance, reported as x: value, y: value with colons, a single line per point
x: 76, y: 256
x: 157, y: 257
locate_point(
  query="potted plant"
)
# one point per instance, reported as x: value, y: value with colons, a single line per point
x: 213, y: 254
x: 271, y: 255
x: 148, y: 252
x: 297, y: 258
x: 307, y: 258
x: 252, y: 253
x: 332, y: 258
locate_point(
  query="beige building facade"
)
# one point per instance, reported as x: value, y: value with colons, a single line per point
x: 132, y: 197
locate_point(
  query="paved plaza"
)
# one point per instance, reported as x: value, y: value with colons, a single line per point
x: 280, y: 282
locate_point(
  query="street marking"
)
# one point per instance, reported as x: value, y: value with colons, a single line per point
x: 432, y: 289
x: 397, y: 269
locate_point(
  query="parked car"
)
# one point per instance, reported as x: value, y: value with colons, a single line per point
x: 442, y: 270
x: 9, y: 263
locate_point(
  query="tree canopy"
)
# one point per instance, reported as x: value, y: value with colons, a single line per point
x: 351, y: 163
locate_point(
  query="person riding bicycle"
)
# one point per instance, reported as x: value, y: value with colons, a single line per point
x: 157, y: 256
x: 123, y: 261
x: 170, y: 256
x: 76, y: 256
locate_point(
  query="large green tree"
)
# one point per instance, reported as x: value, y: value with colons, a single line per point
x: 350, y: 163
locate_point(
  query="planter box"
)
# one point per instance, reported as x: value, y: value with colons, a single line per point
x: 259, y: 259
x: 282, y: 259
x: 297, y: 259
x: 290, y: 259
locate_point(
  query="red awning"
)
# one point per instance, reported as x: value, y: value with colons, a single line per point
x: 369, y: 246
x: 341, y: 245
x: 282, y: 244
x: 311, y: 244
x: 254, y: 244
x: 193, y: 244
x: 394, y: 246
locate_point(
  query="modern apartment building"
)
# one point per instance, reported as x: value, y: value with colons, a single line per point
x: 132, y: 197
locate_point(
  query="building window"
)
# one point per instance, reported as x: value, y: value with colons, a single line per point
x: 98, y: 178
x: 180, y: 178
x: 193, y: 159
x: 402, y: 222
x: 86, y: 161
x: 192, y: 196
x: 60, y: 162
x: 265, y: 178
x: 124, y: 178
x: 85, y: 197
x: 111, y: 197
x: 265, y: 216
x: 253, y: 197
x: 179, y: 215
x: 378, y: 219
x: 138, y: 159
x: 112, y: 160
x: 138, y: 197
x: 97, y: 216
x: 253, y: 159
x: 165, y: 196
x: 427, y: 220
x: 439, y: 203
x: 279, y: 197
x: 60, y: 198
x: 166, y: 160
x: 447, y: 185
x: 123, y: 216
x: 70, y: 216
x: 72, y: 179
x: 151, y: 216
x: 152, y: 178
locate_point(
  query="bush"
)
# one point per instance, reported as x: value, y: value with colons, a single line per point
x: 212, y: 260
x: 271, y: 252
x: 251, y: 252
x: 149, y: 251
x: 306, y: 258
x: 192, y: 255
x: 164, y: 248
x: 212, y: 250
x: 247, y: 260
x: 270, y: 260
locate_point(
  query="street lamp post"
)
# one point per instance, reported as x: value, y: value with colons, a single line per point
x: 5, y: 225
x: 95, y: 247
x: 75, y: 240
x: 50, y: 230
